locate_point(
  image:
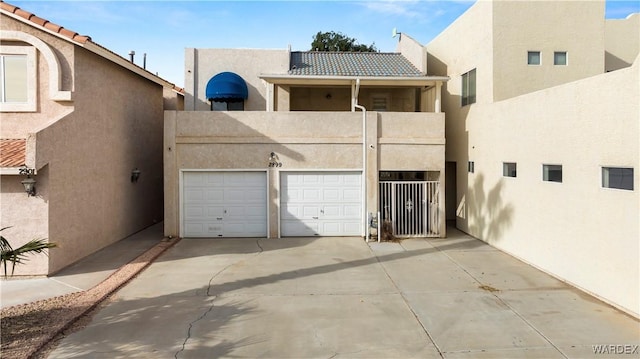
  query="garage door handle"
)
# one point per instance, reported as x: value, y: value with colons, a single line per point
x: 219, y: 218
x: 314, y: 217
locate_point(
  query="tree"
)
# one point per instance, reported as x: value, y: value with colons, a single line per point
x: 336, y: 41
x: 19, y: 255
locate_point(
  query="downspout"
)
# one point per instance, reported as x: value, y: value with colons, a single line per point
x: 365, y: 217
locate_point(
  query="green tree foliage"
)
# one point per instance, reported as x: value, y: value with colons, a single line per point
x: 336, y: 41
x: 19, y: 255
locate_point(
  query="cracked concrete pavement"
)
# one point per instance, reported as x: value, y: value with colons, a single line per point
x: 341, y: 297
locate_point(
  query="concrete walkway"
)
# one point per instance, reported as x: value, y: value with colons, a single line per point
x: 82, y: 275
x: 344, y: 298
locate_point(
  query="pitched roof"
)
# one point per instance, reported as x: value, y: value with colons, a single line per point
x: 82, y: 40
x: 322, y: 63
x: 44, y: 23
x: 12, y: 152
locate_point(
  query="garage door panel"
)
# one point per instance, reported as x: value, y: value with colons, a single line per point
x: 229, y: 204
x: 321, y: 203
x: 301, y: 228
x: 213, y: 195
x: 195, y: 212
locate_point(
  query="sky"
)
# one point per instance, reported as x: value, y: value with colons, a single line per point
x: 163, y: 29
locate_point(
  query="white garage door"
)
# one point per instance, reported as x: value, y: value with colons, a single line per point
x: 225, y: 204
x: 321, y: 203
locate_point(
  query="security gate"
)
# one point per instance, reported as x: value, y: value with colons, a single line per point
x: 412, y: 207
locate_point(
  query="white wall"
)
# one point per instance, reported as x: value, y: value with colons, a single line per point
x: 575, y: 230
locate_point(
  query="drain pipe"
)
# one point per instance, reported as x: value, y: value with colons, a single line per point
x: 365, y: 217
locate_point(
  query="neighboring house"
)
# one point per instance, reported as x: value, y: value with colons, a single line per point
x: 85, y: 122
x: 277, y: 143
x: 542, y: 136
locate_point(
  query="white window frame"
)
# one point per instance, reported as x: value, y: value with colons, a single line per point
x: 539, y: 58
x: 30, y: 105
x: 566, y: 58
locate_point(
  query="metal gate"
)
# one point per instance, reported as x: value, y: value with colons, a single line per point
x: 412, y: 207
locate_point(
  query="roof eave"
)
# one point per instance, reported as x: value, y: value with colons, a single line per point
x: 286, y: 79
x: 97, y: 49
x: 113, y: 57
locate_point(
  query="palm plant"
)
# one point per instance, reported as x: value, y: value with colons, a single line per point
x: 19, y: 255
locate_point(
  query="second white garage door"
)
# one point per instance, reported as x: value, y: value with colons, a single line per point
x: 225, y: 204
x: 321, y: 203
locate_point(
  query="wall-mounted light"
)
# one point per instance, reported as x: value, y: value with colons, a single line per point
x: 28, y: 183
x: 135, y: 174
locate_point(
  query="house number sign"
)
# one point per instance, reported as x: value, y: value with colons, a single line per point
x: 274, y: 161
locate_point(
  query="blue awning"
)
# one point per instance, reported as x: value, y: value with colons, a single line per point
x: 226, y: 87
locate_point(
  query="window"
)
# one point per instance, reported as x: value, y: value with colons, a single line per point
x: 471, y: 167
x: 17, y: 79
x: 617, y: 177
x: 509, y: 169
x: 560, y: 58
x: 227, y: 105
x: 552, y: 173
x: 533, y: 58
x: 469, y: 88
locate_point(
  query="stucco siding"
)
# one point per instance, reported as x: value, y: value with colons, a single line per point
x: 319, y: 141
x: 116, y: 127
x: 519, y: 26
x: 27, y: 217
x: 622, y: 42
x: 575, y: 230
x: 20, y: 124
x: 202, y: 64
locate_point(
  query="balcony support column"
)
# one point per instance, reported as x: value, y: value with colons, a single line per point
x: 438, y: 104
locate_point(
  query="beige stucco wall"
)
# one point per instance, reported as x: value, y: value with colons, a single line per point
x: 622, y: 42
x: 518, y: 26
x: 27, y: 217
x: 449, y: 56
x: 116, y: 127
x: 202, y: 64
x: 575, y: 230
x: 413, y: 51
x: 302, y: 141
x: 20, y: 124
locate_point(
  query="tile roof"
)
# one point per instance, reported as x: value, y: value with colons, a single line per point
x: 12, y: 152
x: 66, y: 33
x: 44, y: 23
x: 322, y: 63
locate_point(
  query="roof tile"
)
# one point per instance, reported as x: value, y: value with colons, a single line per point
x: 376, y: 64
x: 12, y: 152
x: 44, y: 22
x: 38, y: 20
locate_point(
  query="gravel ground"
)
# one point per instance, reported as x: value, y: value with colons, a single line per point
x: 29, y: 330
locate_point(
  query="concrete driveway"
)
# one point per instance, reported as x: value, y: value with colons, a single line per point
x: 344, y: 298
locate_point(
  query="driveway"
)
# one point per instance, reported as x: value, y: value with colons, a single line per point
x: 343, y: 298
